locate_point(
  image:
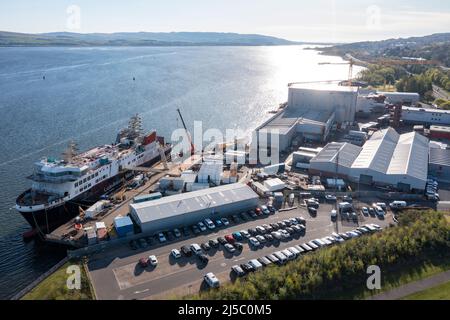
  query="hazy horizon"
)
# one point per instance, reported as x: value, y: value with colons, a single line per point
x: 326, y: 21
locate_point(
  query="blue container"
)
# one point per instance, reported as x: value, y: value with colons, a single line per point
x: 124, y: 226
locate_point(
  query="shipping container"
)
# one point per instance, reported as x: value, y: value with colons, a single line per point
x: 147, y: 197
x: 124, y: 226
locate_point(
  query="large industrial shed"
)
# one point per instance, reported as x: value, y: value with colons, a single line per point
x: 326, y: 98
x: 439, y: 164
x: 392, y: 159
x: 335, y: 159
x: 189, y: 208
x: 387, y: 158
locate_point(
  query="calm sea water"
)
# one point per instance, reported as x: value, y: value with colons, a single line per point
x: 89, y: 93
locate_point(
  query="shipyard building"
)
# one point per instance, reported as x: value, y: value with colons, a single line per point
x: 310, y: 114
x: 386, y: 159
x: 428, y: 117
x: 189, y: 208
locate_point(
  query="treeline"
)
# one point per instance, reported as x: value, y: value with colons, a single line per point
x: 423, y: 82
x: 334, y: 271
x: 377, y: 75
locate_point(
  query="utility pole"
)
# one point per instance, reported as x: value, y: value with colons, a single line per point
x: 335, y: 191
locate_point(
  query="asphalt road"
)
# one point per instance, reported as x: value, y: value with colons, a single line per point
x: 440, y: 93
x: 116, y: 274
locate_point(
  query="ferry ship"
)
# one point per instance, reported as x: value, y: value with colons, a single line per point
x: 60, y: 187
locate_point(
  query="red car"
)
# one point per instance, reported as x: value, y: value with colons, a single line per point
x: 258, y: 211
x: 230, y: 239
x: 143, y: 262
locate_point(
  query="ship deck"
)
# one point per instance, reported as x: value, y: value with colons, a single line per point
x: 61, y: 234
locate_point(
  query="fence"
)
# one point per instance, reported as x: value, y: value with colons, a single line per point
x: 41, y: 278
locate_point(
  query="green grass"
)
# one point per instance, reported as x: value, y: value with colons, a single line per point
x: 440, y: 292
x: 54, y: 287
x: 394, y: 278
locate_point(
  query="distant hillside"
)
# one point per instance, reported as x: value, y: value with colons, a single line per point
x: 139, y: 39
x: 432, y: 47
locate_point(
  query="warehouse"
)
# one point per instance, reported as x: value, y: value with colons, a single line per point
x: 439, y: 132
x: 406, y: 98
x: 392, y: 159
x: 189, y: 208
x: 425, y: 116
x: 325, y: 98
x: 386, y: 159
x: 310, y: 125
x: 439, y: 164
x: 335, y: 159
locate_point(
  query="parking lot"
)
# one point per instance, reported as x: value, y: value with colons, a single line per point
x: 116, y: 274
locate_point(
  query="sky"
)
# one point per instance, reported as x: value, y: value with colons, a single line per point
x: 298, y: 20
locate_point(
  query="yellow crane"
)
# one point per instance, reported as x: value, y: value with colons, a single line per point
x: 350, y: 63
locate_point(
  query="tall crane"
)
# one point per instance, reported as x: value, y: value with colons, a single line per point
x: 350, y: 63
x: 187, y: 133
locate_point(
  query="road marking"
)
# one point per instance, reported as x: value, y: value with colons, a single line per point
x: 138, y: 292
x: 236, y: 260
x: 223, y: 264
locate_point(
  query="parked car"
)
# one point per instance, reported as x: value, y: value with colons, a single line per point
x: 175, y: 253
x: 264, y: 261
x: 186, y: 232
x: 260, y: 230
x: 265, y: 210
x: 365, y: 211
x: 213, y: 243
x: 161, y: 237
x: 222, y: 240
x: 312, y: 211
x: 170, y: 235
x: 252, y: 214
x: 133, y: 245
x: 258, y: 211
x: 306, y: 247
x: 142, y: 243
x: 247, y: 267
x: 290, y: 230
x: 277, y: 235
x: 229, y: 247
x: 253, y: 231
x: 235, y: 218
x: 301, y: 220
x: 237, y: 236
x: 238, y: 271
x: 218, y: 223
x: 196, y: 229
x: 212, y: 280
x: 372, y: 212
x: 268, y: 237
x: 202, y: 226
x: 205, y: 246
x: 330, y: 197
x: 153, y: 260
x: 273, y: 258
x: 267, y: 228
x: 254, y: 242
x: 238, y: 246
x: 203, y: 258
x: 261, y: 239
x: 354, y: 216
x: 271, y: 209
x: 244, y: 216
x: 225, y: 221
x: 347, y: 198
x: 398, y: 204
x: 177, y: 233
x: 210, y: 224
x: 230, y: 238
x: 333, y: 214
x: 245, y: 234
x: 143, y: 262
x: 195, y: 248
x: 255, y: 264
x: 186, y: 251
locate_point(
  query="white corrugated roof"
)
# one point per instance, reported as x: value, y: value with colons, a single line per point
x: 192, y: 201
x: 347, y: 153
x: 378, y: 151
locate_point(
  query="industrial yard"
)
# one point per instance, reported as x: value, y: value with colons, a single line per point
x: 350, y: 162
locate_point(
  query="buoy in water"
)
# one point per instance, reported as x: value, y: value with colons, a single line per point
x: 134, y: 78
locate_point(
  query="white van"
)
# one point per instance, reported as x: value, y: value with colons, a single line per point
x: 281, y: 257
x: 196, y: 248
x: 397, y: 204
x: 255, y: 264
x: 212, y: 280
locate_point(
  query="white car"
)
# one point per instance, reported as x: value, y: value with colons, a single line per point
x: 333, y: 214
x: 229, y: 247
x: 210, y: 224
x: 254, y: 242
x: 261, y: 239
x: 245, y: 234
x: 201, y: 225
x: 330, y: 197
x: 153, y: 260
x: 255, y: 264
x: 162, y: 238
x: 277, y: 235
x: 175, y: 253
x: 196, y: 248
x: 365, y: 211
x: 211, y: 280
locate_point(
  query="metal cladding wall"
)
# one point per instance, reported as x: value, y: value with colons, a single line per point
x: 189, y: 208
x: 343, y: 102
x: 191, y: 218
